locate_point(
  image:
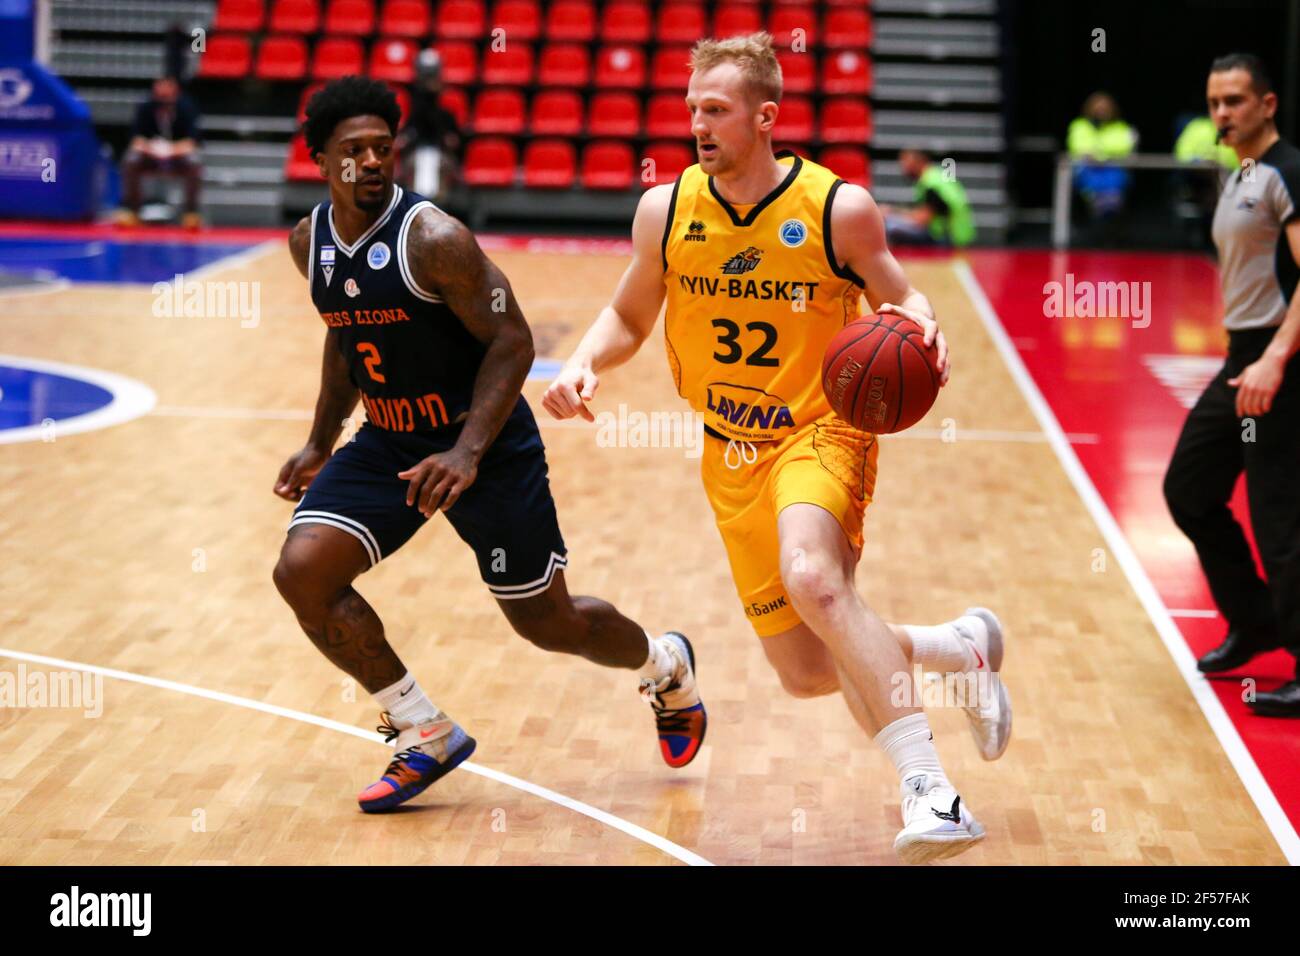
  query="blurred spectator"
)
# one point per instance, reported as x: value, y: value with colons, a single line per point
x: 942, y: 214
x: 1200, y: 140
x: 430, y: 142
x: 164, y: 141
x: 176, y: 52
x: 1093, y: 138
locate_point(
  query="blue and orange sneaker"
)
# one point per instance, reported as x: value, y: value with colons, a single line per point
x: 425, y: 754
x: 679, y: 713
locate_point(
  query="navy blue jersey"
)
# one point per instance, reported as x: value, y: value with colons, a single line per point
x: 409, y: 355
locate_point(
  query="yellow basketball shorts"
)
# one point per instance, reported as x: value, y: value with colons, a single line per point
x: 828, y: 464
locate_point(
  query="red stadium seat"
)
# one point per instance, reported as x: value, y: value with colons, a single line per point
x: 671, y: 68
x: 461, y: 20
x: 281, y: 58
x: 666, y: 117
x: 405, y: 18
x: 564, y: 64
x: 459, y: 63
x: 350, y: 18
x: 847, y: 28
x: 557, y: 113
x: 490, y: 161
x: 737, y: 19
x: 573, y: 20
x: 623, y: 22
x: 311, y: 90
x: 798, y: 71
x: 614, y: 113
x: 847, y: 162
x: 620, y: 67
x: 335, y: 57
x: 228, y: 56
x: 295, y: 16
x: 846, y: 71
x: 403, y: 104
x: 245, y: 16
x: 845, y: 120
x: 608, y: 164
x: 393, y: 60
x: 669, y: 159
x: 455, y: 102
x: 680, y: 23
x: 299, y: 167
x: 549, y: 164
x: 794, y: 122
x: 784, y: 21
x: 521, y: 20
x: 499, y: 111
x: 511, y: 66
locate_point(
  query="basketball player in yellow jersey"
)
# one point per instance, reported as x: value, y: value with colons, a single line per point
x: 763, y: 259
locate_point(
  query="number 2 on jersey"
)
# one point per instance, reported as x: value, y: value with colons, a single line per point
x: 372, y: 360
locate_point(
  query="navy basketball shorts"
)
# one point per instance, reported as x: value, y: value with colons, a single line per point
x: 507, y: 515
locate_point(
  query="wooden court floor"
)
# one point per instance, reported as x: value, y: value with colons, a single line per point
x: 102, y: 536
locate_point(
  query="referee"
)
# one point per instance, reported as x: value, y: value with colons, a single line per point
x: 1249, y: 417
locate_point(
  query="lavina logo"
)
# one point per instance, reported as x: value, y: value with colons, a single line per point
x: 751, y: 412
x: 103, y: 909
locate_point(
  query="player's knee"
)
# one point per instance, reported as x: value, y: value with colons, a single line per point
x: 807, y: 683
x: 815, y: 586
x: 296, y: 581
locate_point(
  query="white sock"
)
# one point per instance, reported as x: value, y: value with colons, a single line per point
x: 939, y: 648
x: 660, y: 663
x: 406, y: 703
x: 910, y: 745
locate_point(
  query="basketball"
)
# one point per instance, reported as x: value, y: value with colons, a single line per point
x: 879, y: 375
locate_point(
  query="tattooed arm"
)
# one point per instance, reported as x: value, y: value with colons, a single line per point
x: 445, y: 258
x: 337, y: 398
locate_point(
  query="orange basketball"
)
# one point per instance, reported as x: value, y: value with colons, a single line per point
x: 878, y: 374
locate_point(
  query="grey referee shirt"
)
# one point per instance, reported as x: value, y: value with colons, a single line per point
x: 1256, y: 268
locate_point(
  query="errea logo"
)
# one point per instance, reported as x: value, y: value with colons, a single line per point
x: 695, y: 232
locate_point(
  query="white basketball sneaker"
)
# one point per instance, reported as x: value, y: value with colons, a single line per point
x: 936, y: 824
x: 990, y: 713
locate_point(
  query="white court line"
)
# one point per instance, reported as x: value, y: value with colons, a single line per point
x: 631, y: 829
x: 131, y: 399
x: 1210, y: 705
x: 235, y: 259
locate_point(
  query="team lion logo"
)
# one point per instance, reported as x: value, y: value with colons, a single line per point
x: 743, y: 262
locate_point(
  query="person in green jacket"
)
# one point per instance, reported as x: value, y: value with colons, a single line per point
x: 1094, y: 138
x: 1200, y: 140
x: 942, y: 214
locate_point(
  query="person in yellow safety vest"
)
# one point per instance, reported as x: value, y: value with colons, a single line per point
x: 942, y: 214
x: 1094, y: 138
x: 1200, y: 140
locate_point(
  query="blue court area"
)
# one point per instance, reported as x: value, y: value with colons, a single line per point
x: 30, y: 397
x: 106, y: 260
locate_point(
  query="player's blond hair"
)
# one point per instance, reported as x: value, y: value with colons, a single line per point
x: 755, y: 56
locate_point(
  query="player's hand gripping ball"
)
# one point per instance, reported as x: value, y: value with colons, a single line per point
x: 879, y: 375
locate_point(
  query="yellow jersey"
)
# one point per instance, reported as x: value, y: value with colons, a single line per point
x: 753, y: 301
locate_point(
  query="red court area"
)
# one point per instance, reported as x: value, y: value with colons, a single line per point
x: 1120, y: 380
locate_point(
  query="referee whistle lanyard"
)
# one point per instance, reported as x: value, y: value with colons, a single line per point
x: 746, y: 453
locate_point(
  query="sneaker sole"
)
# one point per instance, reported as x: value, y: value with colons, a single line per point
x: 412, y: 790
x: 704, y: 729
x: 920, y: 849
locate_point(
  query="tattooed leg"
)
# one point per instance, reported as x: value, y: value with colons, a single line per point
x: 317, y: 566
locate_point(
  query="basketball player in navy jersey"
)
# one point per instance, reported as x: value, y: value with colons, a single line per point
x: 426, y: 331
